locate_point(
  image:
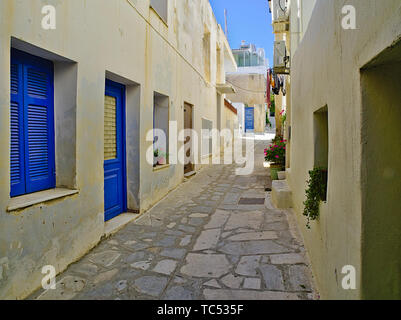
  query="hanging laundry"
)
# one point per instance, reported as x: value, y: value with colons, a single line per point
x: 276, y: 84
x: 283, y: 85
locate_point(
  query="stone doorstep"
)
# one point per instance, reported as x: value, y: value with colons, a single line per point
x: 117, y: 223
x: 281, y: 195
x: 190, y: 174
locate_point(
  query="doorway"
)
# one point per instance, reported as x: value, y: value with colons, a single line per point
x: 115, y: 201
x: 188, y: 124
x: 381, y: 176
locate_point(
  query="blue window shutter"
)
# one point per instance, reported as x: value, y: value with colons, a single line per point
x: 32, y: 124
x: 39, y: 125
x: 17, y: 165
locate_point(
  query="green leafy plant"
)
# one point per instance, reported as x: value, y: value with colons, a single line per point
x: 283, y: 117
x: 316, y: 192
x: 272, y: 106
x: 268, y: 123
x: 278, y: 138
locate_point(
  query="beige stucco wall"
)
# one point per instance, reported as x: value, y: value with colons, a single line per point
x: 250, y: 87
x: 230, y: 120
x: 260, y: 118
x: 325, y: 70
x: 129, y: 42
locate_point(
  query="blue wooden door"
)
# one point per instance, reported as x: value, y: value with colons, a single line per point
x: 249, y: 119
x: 114, y: 150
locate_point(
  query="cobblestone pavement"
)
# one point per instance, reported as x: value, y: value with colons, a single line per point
x: 198, y: 243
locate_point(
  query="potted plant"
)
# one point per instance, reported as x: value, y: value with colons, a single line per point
x: 162, y: 158
x: 155, y: 157
x: 275, y: 154
x: 315, y: 193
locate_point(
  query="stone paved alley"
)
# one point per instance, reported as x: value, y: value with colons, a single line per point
x: 198, y: 243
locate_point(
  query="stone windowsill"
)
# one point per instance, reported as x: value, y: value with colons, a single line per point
x: 32, y: 199
x: 161, y: 167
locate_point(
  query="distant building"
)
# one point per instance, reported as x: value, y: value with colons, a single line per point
x: 250, y: 56
x: 249, y: 82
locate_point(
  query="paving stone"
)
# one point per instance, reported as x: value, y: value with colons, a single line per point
x: 219, y: 218
x: 252, y: 283
x: 253, y: 247
x: 185, y: 241
x: 198, y: 215
x: 207, y: 240
x: 121, y: 285
x: 174, y: 233
x: 229, y: 295
x: 231, y: 198
x: 251, y: 220
x: 106, y: 258
x: 174, y: 253
x: 150, y: 285
x: 202, y: 209
x: 138, y: 246
x: 187, y: 229
x: 165, y: 266
x: 225, y: 234
x: 212, y: 283
x: 196, y: 222
x: 137, y: 256
x: 232, y: 281
x: 179, y: 280
x: 248, y: 266
x: 167, y: 241
x: 205, y: 265
x: 276, y: 226
x: 105, y: 276
x: 87, y: 269
x: 299, y: 280
x: 288, y: 258
x: 179, y: 293
x: 143, y: 265
x: 130, y: 242
x: 265, y: 235
x: 273, y: 277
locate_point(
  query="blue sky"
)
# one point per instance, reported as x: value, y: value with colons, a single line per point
x: 247, y: 20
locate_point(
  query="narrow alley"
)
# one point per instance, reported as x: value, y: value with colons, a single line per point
x: 216, y: 237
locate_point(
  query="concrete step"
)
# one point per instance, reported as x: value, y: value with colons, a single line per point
x: 281, y: 194
x: 189, y: 174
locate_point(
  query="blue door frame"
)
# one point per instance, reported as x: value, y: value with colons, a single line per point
x: 249, y: 119
x: 115, y: 177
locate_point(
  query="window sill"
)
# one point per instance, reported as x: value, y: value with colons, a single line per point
x: 161, y: 167
x: 32, y: 199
